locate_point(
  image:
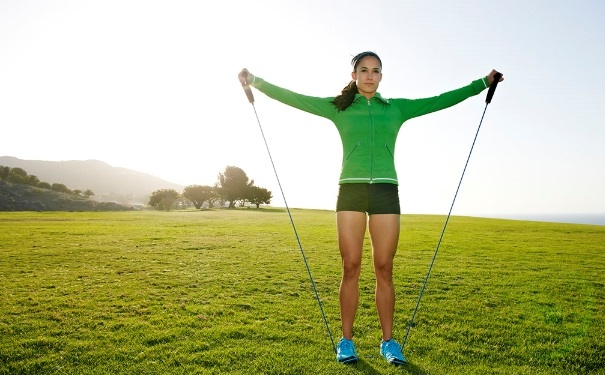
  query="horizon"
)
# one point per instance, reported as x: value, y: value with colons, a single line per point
x: 589, y: 218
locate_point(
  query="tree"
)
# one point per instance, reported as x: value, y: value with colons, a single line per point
x: 18, y: 172
x: 61, y: 188
x: 163, y: 199
x: 17, y: 176
x: 219, y: 197
x: 32, y: 180
x: 258, y: 195
x: 215, y: 197
x: 233, y: 185
x: 4, y: 172
x: 182, y: 202
x: 20, y: 176
x: 198, y: 194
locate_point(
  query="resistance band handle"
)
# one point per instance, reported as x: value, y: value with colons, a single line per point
x: 492, y: 88
x: 248, y: 90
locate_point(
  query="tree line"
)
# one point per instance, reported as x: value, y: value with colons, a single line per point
x: 20, y: 176
x: 233, y: 187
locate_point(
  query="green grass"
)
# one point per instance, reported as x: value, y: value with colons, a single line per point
x: 226, y: 291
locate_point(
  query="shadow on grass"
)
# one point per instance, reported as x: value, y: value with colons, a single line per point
x: 367, y: 368
x: 413, y: 369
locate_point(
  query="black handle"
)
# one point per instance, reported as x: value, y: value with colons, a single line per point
x: 247, y: 88
x: 248, y: 92
x: 492, y: 88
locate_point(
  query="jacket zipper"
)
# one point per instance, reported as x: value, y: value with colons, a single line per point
x: 371, y: 142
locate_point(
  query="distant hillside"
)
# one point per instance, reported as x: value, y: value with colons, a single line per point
x: 17, y: 197
x: 107, y: 182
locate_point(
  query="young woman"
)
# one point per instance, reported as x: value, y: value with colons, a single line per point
x: 368, y: 197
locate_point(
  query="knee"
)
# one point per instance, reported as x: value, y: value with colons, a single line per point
x: 384, y: 271
x: 351, y: 269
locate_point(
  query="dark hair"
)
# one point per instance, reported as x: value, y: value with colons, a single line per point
x: 347, y: 95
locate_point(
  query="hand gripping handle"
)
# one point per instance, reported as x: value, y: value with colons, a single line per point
x: 248, y: 90
x: 492, y: 88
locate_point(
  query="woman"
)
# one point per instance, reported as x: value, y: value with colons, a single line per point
x: 368, y: 197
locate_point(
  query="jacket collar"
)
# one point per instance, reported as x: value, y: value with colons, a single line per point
x: 376, y: 96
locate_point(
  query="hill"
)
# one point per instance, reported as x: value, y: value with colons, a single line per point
x: 17, y: 197
x: 109, y: 183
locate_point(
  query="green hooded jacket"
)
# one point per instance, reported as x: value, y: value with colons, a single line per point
x: 368, y: 128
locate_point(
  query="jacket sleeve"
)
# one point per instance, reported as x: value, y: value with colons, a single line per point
x: 417, y: 107
x: 318, y: 106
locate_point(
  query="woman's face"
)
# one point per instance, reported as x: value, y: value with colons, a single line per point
x: 367, y: 76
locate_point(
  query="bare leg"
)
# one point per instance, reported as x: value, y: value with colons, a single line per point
x: 351, y: 227
x: 384, y: 233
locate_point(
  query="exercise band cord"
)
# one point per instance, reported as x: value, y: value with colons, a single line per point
x: 488, y: 100
x: 323, y: 314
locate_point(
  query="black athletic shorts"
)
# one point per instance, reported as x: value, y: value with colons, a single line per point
x: 370, y: 198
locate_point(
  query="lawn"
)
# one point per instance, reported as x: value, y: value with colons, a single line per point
x: 227, y: 292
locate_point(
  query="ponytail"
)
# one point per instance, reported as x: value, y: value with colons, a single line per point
x: 346, y: 97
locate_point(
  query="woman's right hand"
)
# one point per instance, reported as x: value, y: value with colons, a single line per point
x: 245, y: 77
x: 491, y: 75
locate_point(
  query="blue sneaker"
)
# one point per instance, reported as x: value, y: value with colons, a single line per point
x: 345, y: 351
x: 391, y: 351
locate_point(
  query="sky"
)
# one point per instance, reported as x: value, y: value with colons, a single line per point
x: 152, y: 86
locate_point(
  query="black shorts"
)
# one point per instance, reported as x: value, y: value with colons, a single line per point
x: 370, y: 198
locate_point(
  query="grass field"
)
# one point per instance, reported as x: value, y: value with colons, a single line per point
x: 226, y: 291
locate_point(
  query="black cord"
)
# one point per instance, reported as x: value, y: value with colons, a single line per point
x: 296, y: 233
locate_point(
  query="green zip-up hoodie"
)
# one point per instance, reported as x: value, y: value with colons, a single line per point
x: 368, y: 128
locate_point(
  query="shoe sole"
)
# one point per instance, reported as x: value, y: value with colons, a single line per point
x: 397, y: 362
x: 348, y: 360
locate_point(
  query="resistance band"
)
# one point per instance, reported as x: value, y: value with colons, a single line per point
x: 488, y: 99
x: 248, y: 92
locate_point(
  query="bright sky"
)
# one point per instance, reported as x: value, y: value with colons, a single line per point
x: 152, y: 86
